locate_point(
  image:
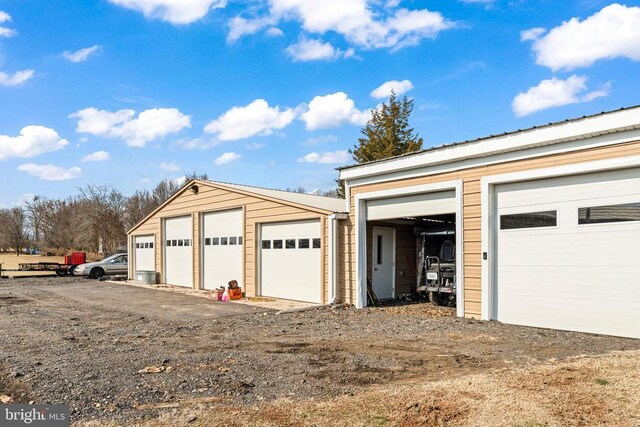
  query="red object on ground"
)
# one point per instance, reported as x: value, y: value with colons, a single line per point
x: 77, y: 258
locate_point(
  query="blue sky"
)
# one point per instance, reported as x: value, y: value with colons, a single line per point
x: 273, y: 92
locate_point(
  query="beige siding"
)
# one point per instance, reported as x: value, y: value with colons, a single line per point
x: 256, y: 209
x: 471, y: 212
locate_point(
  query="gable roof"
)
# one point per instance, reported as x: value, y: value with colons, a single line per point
x: 552, y: 133
x: 317, y: 203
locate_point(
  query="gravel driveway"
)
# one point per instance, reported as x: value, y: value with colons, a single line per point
x: 75, y: 341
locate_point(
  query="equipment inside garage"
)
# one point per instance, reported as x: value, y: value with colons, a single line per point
x: 413, y: 255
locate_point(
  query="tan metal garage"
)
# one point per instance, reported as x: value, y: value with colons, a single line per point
x: 208, y: 234
x: 537, y: 215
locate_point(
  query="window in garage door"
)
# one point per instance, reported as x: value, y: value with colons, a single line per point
x: 580, y: 274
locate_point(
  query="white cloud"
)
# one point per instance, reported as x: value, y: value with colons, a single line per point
x: 332, y: 111
x: 50, y: 172
x: 555, y: 93
x: 18, y: 78
x: 82, y: 54
x: 532, y: 34
x: 254, y: 145
x: 313, y: 50
x: 169, y: 166
x: 256, y: 118
x: 330, y: 157
x: 275, y: 32
x: 385, y: 27
x: 384, y: 90
x: 98, y: 156
x: 4, y: 31
x: 610, y: 33
x: 150, y: 124
x: 32, y: 141
x: 319, y: 140
x: 173, y: 11
x: 240, y: 27
x: 226, y: 158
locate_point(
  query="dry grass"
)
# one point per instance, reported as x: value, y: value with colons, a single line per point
x: 587, y: 391
x: 12, y: 261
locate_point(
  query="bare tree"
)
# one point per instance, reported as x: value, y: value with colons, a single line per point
x: 103, y: 217
x: 34, y: 210
x: 14, y: 224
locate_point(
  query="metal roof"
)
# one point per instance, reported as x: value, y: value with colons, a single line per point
x: 484, y: 138
x: 318, y: 202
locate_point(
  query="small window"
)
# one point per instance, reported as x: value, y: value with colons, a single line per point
x: 146, y: 245
x: 174, y: 242
x: 233, y: 240
x: 151, y: 245
x: 277, y: 244
x: 207, y: 241
x: 379, y: 254
x: 303, y: 243
x: 168, y: 242
x: 187, y: 242
x: 529, y: 220
x: 224, y: 240
x: 316, y: 243
x: 180, y: 242
x: 290, y: 243
x: 610, y: 213
x: 215, y: 241
x: 239, y: 240
x: 266, y: 244
x: 137, y: 245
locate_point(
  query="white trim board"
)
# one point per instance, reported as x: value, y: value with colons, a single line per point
x: 580, y: 129
x: 488, y: 184
x: 448, y: 164
x: 361, y: 235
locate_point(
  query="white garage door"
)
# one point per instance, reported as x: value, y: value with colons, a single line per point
x: 222, y: 254
x: 145, y: 253
x: 437, y: 203
x: 568, y: 251
x: 290, y: 260
x: 178, y: 255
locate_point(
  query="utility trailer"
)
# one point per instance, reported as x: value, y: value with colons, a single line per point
x: 61, y: 269
x: 436, y: 276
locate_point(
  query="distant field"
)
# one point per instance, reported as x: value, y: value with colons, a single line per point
x: 11, y: 261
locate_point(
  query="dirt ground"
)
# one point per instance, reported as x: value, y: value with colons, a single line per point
x: 121, y: 355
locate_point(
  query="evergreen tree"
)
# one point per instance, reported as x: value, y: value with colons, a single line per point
x: 386, y: 134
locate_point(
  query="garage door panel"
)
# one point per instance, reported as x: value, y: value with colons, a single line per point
x: 442, y: 202
x: 222, y: 262
x: 581, y: 277
x: 178, y: 247
x: 278, y: 278
x: 144, y: 253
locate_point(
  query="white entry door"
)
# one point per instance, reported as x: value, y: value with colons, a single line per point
x: 567, y: 253
x: 145, y: 253
x: 290, y: 260
x: 178, y: 251
x: 222, y: 243
x: 383, y: 262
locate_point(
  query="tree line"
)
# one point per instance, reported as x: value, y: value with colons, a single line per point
x: 96, y: 219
